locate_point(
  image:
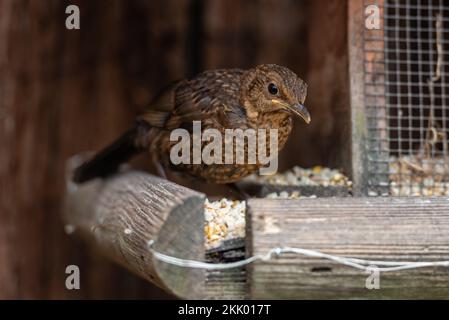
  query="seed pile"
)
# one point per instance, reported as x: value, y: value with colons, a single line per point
x: 286, y: 195
x: 418, y: 176
x: 297, y: 176
x: 225, y: 219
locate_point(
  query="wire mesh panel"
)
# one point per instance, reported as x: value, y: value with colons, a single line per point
x: 406, y: 72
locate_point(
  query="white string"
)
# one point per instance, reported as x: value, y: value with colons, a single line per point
x: 361, y: 264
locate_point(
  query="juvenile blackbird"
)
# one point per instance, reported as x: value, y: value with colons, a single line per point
x: 265, y: 97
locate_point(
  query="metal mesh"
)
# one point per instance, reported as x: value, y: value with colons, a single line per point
x: 406, y: 73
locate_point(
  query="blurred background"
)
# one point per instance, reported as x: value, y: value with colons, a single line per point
x: 63, y: 92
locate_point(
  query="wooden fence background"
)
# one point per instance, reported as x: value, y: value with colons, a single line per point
x: 65, y: 91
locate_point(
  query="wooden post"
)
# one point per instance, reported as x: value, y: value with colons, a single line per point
x: 387, y: 229
x: 356, y: 88
x: 370, y: 149
x: 121, y: 214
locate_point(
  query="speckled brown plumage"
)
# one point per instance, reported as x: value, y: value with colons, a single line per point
x: 220, y: 99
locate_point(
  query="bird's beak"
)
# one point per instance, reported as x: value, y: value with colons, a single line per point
x: 301, y: 111
x: 296, y: 108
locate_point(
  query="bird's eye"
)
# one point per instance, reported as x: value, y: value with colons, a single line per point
x: 273, y: 89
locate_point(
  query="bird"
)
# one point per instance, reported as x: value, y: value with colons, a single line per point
x: 267, y: 96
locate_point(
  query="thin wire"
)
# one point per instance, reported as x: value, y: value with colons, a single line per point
x: 361, y: 264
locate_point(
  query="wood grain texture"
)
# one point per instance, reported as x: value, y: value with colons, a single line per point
x: 121, y: 214
x: 231, y: 283
x: 357, y: 98
x: 226, y: 284
x: 62, y: 92
x: 389, y: 229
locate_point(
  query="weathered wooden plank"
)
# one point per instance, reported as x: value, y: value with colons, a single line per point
x: 226, y: 284
x: 389, y: 229
x: 121, y: 214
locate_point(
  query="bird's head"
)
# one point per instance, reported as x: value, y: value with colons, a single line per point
x: 270, y: 88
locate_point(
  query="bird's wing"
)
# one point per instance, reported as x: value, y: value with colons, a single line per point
x: 211, y: 97
x: 161, y: 107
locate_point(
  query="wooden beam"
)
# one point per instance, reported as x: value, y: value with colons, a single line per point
x: 370, y: 149
x: 388, y: 229
x: 356, y: 88
x: 121, y: 214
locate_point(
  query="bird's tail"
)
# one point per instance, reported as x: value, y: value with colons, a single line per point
x: 109, y: 159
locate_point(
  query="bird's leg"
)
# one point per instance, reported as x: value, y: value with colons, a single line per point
x: 159, y: 167
x: 161, y: 171
x: 240, y: 192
